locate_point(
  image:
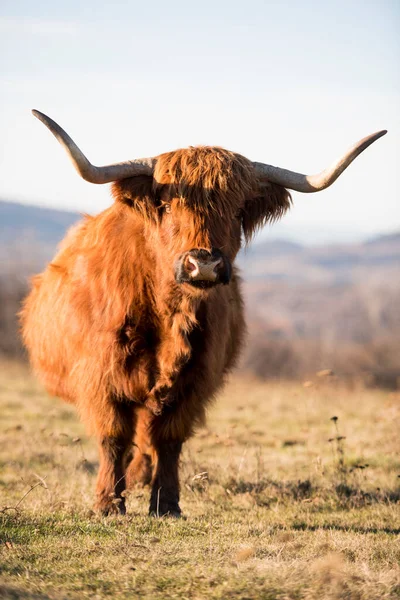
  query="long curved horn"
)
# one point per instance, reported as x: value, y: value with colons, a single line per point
x: 142, y: 166
x: 315, y: 183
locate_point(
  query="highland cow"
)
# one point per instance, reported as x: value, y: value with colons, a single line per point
x: 139, y: 317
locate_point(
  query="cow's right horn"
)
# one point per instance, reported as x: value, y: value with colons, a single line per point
x: 106, y: 174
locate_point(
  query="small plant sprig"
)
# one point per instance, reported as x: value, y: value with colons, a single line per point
x: 41, y: 483
x: 338, y: 451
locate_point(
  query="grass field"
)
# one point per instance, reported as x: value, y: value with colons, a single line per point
x: 273, y: 508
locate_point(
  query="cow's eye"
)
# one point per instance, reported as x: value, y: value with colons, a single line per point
x: 167, y: 208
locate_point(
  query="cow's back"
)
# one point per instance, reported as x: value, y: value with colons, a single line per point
x: 50, y: 330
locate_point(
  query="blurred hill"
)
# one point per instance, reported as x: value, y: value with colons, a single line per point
x: 378, y: 259
x: 30, y: 234
x: 308, y: 308
x: 45, y: 224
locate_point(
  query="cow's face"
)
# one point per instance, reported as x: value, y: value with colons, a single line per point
x: 196, y: 207
x: 200, y: 245
x: 200, y: 196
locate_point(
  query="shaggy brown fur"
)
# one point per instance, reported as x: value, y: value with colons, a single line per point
x: 109, y: 329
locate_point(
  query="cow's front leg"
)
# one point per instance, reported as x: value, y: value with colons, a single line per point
x: 115, y: 432
x: 165, y: 488
x: 173, y: 353
x: 140, y: 468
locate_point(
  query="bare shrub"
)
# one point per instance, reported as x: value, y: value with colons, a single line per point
x: 353, y: 329
x: 12, y: 292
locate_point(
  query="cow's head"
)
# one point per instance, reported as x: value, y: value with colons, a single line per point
x: 197, y: 203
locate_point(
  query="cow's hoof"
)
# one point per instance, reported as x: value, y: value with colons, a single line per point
x: 111, y: 507
x: 172, y: 511
x: 154, y: 406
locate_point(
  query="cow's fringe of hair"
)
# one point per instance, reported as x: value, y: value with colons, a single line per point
x: 268, y: 206
x: 208, y: 179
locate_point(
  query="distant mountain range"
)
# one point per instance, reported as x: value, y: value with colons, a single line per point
x: 29, y: 235
x: 375, y: 260
x: 46, y: 224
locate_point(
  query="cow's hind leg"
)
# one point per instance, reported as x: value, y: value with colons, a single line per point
x: 114, y: 426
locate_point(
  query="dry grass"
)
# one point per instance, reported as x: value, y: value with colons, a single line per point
x: 274, y: 509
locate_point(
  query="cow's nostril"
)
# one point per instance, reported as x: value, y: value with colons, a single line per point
x: 217, y: 264
x: 192, y: 266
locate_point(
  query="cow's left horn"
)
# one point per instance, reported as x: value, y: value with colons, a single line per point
x: 106, y: 174
x: 315, y: 183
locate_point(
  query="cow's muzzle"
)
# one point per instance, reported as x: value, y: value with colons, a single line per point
x: 202, y: 268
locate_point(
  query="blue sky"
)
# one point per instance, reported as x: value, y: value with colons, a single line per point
x: 289, y: 83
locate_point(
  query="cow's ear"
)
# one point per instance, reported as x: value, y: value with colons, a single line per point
x: 268, y: 205
x: 136, y: 192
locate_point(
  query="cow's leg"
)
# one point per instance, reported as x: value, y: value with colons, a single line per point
x: 114, y: 427
x: 165, y: 489
x: 140, y: 468
x: 167, y: 433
